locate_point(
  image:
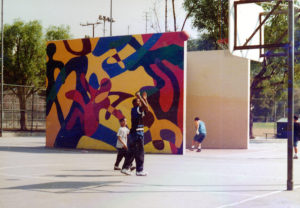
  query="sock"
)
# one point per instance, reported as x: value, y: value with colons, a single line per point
x: 193, y: 146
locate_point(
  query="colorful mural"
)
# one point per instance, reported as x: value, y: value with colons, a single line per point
x: 91, y: 84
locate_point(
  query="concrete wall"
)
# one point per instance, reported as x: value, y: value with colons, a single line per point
x: 91, y: 84
x: 218, y: 92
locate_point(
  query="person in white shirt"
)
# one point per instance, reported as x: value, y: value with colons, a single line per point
x: 121, y: 142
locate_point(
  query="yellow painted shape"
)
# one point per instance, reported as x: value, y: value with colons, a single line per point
x: 52, y: 126
x: 131, y: 81
x: 159, y: 125
x: 95, y: 66
x: 112, y: 122
x: 126, y: 51
x: 110, y: 109
x: 76, y: 45
x: 86, y: 142
x: 56, y: 73
x: 61, y: 53
x: 139, y: 39
x: 94, y: 42
x: 99, y: 98
x: 150, y: 148
x: 65, y: 103
x: 121, y: 64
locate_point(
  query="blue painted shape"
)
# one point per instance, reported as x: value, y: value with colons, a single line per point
x: 168, y: 135
x: 106, y: 135
x: 94, y: 81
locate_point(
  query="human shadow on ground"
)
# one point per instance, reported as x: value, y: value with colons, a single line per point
x: 64, y: 186
x: 126, y: 187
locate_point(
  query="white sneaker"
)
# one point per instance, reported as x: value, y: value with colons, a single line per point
x: 126, y: 171
x: 141, y: 173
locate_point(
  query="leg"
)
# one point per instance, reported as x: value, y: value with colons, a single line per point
x: 139, y: 154
x: 129, y: 155
x: 121, y: 154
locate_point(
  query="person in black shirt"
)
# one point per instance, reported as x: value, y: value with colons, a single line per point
x: 136, y: 139
x: 296, y: 136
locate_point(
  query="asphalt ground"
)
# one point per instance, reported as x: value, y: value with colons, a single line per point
x: 34, y: 176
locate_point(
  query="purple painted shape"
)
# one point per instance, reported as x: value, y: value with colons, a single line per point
x: 168, y: 135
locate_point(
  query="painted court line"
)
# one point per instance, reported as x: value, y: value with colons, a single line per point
x: 253, y: 198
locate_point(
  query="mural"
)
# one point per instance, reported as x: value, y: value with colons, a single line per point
x: 91, y: 84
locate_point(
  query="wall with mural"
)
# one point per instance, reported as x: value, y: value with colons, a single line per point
x: 91, y: 84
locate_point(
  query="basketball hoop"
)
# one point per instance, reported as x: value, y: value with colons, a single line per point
x: 223, y: 43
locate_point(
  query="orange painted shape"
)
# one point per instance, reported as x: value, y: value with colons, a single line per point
x: 52, y: 126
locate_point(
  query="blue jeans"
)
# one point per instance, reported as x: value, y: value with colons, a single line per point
x: 135, y: 151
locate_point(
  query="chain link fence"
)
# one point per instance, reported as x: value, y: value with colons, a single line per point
x: 24, y: 111
x: 266, y: 113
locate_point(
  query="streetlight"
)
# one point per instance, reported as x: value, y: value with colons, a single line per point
x: 108, y: 19
x: 91, y: 24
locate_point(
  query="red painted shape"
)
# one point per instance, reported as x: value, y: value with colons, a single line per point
x: 166, y: 93
x: 171, y: 38
x: 146, y: 37
x: 173, y: 148
x: 180, y: 78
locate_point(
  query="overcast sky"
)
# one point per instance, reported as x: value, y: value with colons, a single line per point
x: 130, y: 15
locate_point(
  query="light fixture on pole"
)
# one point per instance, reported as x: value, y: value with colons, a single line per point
x: 91, y: 24
x: 105, y: 19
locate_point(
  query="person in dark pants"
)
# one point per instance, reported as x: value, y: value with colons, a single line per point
x: 136, y: 141
x: 296, y: 136
x: 122, y: 144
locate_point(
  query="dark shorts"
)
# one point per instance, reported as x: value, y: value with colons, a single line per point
x: 295, y: 142
x: 199, y: 138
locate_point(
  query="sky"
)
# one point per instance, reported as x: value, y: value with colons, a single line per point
x: 130, y: 15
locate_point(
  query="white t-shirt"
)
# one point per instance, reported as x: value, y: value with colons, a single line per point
x: 122, y: 133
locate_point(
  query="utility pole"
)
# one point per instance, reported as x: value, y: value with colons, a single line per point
x: 290, y: 127
x: 128, y: 29
x: 2, y: 62
x: 105, y: 19
x: 166, y: 16
x: 91, y: 24
x: 146, y: 16
x: 110, y: 23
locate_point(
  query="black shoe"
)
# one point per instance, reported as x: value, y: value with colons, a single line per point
x: 132, y: 168
x: 198, y: 150
x: 117, y: 168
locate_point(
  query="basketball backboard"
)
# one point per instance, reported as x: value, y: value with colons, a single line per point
x: 244, y: 19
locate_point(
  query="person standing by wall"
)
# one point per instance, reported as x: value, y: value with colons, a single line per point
x: 136, y: 141
x: 200, y: 133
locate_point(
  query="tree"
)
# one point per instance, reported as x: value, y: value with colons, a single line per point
x: 61, y: 32
x: 155, y: 10
x: 267, y: 78
x: 210, y: 17
x: 24, y: 63
x: 25, y: 58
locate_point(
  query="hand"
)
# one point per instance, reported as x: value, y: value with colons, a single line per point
x: 138, y: 94
x: 145, y: 95
x: 197, y: 132
x: 125, y: 147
